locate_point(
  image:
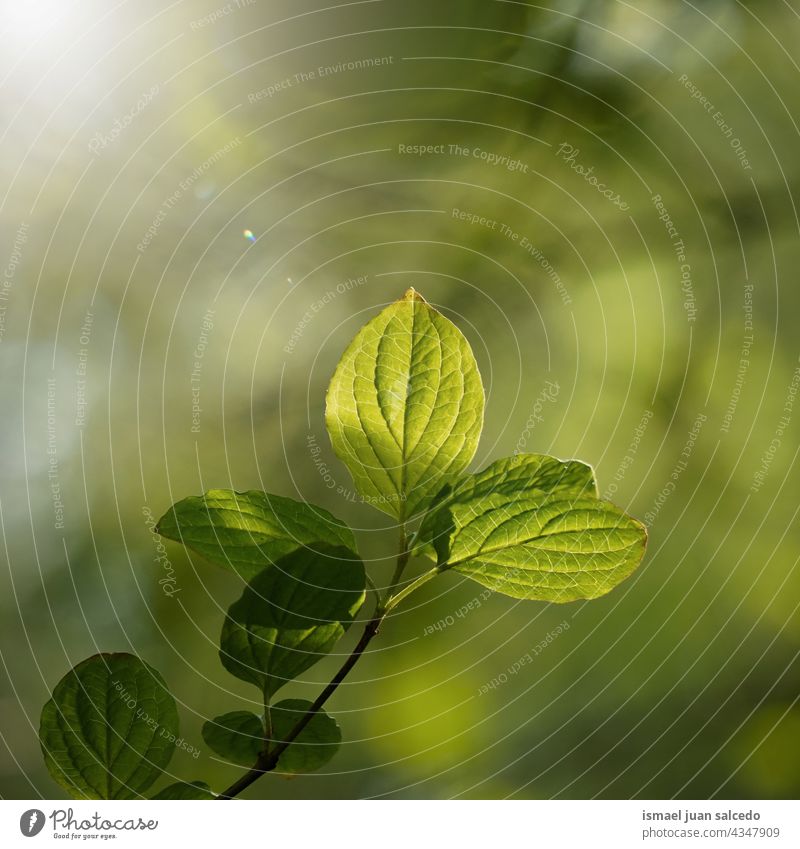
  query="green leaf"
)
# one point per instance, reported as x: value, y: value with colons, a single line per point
x: 316, y: 744
x: 110, y: 728
x: 543, y: 548
x: 504, y: 481
x: 291, y: 615
x: 246, y: 531
x: 182, y: 790
x: 405, y: 406
x: 237, y: 736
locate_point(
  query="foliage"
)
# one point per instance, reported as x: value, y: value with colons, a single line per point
x: 404, y: 413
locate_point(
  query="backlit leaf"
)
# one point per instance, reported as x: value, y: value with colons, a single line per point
x: 547, y: 549
x: 246, y: 531
x: 502, y: 482
x: 405, y: 406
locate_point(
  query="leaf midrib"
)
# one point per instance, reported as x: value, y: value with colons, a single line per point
x: 528, y: 540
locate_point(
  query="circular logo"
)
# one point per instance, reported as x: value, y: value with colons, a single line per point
x: 31, y: 822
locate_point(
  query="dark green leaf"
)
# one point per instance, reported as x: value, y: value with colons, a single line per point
x: 405, y: 406
x: 292, y: 615
x: 316, y: 744
x: 237, y: 736
x: 182, y: 790
x: 110, y: 728
x: 246, y: 531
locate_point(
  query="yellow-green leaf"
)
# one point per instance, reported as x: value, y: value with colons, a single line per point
x: 405, y: 406
x: 504, y: 481
x: 542, y: 548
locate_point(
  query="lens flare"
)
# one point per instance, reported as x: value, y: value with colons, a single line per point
x: 248, y: 234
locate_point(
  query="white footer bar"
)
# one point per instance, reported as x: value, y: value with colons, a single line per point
x: 402, y: 824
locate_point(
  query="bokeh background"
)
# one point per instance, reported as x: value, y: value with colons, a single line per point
x: 201, y: 203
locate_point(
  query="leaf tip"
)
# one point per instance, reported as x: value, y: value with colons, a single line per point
x: 412, y: 295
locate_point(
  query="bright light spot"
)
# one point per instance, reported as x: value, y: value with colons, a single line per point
x: 30, y: 19
x: 248, y: 234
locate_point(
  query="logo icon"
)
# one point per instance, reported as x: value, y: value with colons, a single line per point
x: 31, y: 822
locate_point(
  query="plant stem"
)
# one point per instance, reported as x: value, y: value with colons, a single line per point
x: 394, y: 600
x: 370, y: 630
x: 403, y: 556
x: 245, y: 781
x: 267, y: 725
x: 268, y: 760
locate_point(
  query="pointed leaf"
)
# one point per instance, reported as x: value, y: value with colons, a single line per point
x: 405, y: 406
x: 237, y: 736
x: 504, y: 481
x: 110, y: 728
x: 546, y: 549
x: 182, y: 790
x: 316, y: 744
x: 246, y: 531
x: 292, y: 615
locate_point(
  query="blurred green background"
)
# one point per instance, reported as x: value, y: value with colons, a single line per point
x: 140, y: 142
